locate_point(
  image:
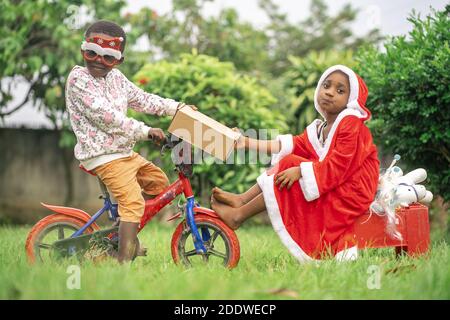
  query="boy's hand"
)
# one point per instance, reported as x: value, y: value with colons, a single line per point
x: 288, y: 177
x: 156, y: 134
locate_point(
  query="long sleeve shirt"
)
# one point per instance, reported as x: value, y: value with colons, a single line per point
x: 98, y: 115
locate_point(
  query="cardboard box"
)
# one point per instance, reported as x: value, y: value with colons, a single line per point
x: 204, y: 132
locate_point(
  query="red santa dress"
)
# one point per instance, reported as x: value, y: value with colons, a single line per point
x: 314, y: 218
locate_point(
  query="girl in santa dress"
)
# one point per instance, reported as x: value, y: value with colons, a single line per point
x: 321, y: 180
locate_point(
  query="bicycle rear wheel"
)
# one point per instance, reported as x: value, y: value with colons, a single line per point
x: 47, y: 231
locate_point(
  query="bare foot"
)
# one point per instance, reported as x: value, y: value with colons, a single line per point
x: 231, y: 199
x: 227, y: 213
x: 141, y: 252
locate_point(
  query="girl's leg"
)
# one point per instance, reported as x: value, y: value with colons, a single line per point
x: 236, y: 200
x: 234, y: 217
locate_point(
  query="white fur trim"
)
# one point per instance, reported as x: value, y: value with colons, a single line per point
x: 311, y: 131
x: 342, y: 115
x: 354, y: 89
x: 308, y: 182
x: 287, y: 145
x: 100, y: 50
x: 349, y: 254
x: 265, y: 182
x: 314, y: 140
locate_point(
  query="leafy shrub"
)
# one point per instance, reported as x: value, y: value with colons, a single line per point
x: 409, y: 94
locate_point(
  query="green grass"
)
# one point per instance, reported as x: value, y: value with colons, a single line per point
x: 265, y: 267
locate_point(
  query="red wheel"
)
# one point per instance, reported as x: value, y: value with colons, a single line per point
x: 222, y: 246
x: 48, y: 230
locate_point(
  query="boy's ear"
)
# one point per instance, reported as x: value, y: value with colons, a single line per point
x: 121, y: 60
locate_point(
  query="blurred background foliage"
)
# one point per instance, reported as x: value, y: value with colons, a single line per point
x: 242, y: 75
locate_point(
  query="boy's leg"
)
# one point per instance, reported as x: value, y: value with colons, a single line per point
x: 236, y: 200
x: 234, y: 217
x: 151, y: 179
x: 119, y: 176
x: 127, y: 241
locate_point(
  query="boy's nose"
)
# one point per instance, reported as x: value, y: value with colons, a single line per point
x: 98, y: 59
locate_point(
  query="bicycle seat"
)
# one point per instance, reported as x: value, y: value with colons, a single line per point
x: 87, y: 171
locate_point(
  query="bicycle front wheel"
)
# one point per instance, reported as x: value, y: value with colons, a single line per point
x: 221, y: 243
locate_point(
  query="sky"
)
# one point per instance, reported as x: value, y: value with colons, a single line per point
x: 387, y: 15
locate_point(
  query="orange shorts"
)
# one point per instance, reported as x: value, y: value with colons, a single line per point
x: 126, y: 178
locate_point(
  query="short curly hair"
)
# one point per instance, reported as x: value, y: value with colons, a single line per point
x: 107, y: 27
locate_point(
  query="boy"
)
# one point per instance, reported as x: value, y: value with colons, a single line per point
x: 97, y: 98
x: 323, y: 179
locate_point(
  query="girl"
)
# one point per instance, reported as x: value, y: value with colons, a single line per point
x: 322, y: 179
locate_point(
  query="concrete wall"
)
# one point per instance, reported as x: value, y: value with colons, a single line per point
x: 32, y: 171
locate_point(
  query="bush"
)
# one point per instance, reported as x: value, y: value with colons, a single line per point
x: 409, y: 95
x: 221, y: 93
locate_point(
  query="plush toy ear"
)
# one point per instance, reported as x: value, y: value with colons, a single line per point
x: 428, y: 198
x: 415, y: 176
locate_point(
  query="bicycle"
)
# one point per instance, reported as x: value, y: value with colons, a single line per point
x: 201, y: 224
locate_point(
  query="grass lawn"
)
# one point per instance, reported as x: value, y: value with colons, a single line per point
x: 266, y: 271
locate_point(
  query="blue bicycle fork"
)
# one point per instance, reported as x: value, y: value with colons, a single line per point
x: 198, y: 241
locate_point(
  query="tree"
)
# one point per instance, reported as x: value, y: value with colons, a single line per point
x: 185, y: 28
x: 318, y: 32
x: 409, y: 95
x: 40, y: 44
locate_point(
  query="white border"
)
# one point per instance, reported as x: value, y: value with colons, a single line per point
x: 287, y: 145
x: 308, y: 182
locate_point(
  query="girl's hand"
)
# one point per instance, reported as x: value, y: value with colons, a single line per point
x: 240, y: 143
x: 288, y: 177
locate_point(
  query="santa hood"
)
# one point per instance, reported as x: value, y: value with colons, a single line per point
x: 358, y: 91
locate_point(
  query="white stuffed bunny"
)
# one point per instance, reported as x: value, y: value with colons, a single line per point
x: 397, y: 190
x: 412, y: 179
x: 405, y: 194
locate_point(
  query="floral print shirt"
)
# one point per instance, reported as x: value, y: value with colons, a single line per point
x: 97, y: 108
